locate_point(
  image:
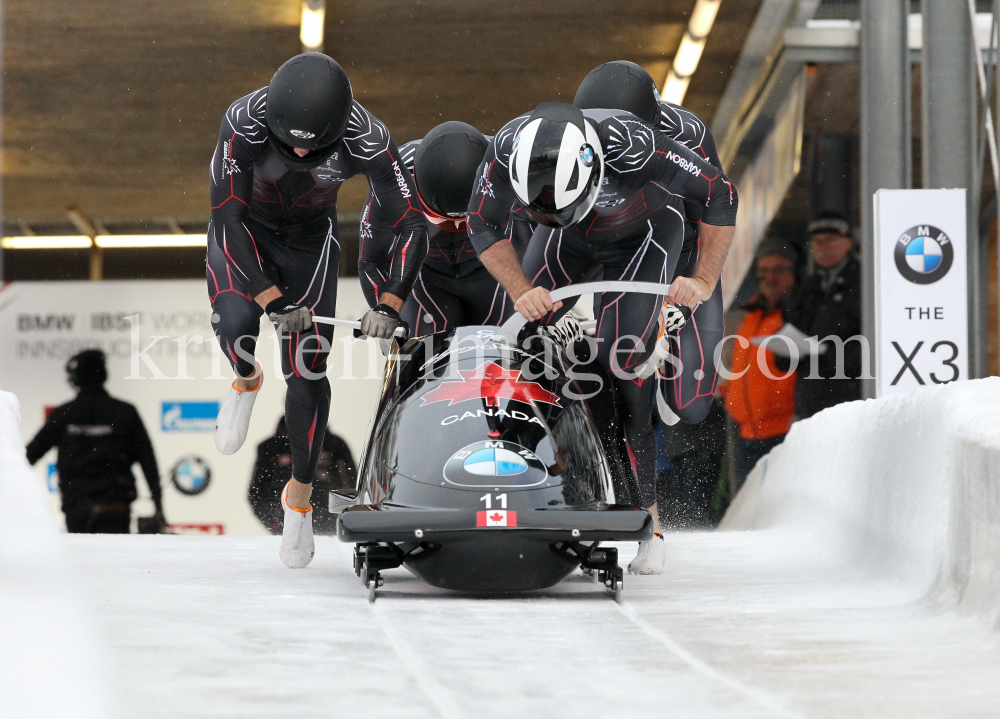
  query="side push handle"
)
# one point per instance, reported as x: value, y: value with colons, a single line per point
x: 512, y: 327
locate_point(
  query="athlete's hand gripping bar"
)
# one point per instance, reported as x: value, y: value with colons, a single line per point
x: 512, y: 327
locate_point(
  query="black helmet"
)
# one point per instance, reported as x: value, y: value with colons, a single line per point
x: 620, y: 85
x: 445, y: 166
x: 87, y: 369
x: 557, y: 165
x: 308, y: 105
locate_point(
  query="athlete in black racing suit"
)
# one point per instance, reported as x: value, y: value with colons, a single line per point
x: 453, y: 288
x: 635, y: 231
x: 626, y: 86
x: 272, y: 245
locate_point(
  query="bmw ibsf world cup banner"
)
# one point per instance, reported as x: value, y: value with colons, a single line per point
x: 921, y: 289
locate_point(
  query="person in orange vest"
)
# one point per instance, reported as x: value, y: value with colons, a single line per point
x: 763, y: 407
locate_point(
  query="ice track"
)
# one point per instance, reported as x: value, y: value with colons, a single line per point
x: 208, y: 627
x: 856, y: 575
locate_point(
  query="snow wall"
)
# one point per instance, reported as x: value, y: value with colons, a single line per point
x: 50, y: 662
x: 907, y: 486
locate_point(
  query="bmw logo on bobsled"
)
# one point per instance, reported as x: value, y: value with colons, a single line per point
x: 490, y: 467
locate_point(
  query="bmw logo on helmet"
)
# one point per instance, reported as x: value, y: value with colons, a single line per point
x: 924, y: 254
x: 587, y: 155
x: 494, y: 463
x: 191, y: 475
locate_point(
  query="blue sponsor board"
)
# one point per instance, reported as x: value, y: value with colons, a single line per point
x: 188, y: 416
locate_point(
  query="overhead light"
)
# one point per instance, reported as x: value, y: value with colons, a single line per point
x: 110, y: 241
x: 689, y: 53
x: 42, y: 242
x: 311, y: 34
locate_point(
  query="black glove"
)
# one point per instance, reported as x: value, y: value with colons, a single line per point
x: 380, y: 322
x: 288, y: 316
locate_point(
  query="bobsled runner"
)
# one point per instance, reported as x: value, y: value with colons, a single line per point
x: 493, y: 465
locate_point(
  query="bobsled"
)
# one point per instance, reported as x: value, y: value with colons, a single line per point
x: 493, y: 464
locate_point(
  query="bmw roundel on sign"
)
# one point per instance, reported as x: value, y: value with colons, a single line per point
x: 191, y: 475
x: 494, y: 463
x: 923, y: 254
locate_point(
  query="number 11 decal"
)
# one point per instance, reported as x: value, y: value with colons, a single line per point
x: 488, y: 498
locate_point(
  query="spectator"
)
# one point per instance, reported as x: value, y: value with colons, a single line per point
x: 829, y: 303
x: 99, y: 438
x: 273, y: 469
x: 760, y: 405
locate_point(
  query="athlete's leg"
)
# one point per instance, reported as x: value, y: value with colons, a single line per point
x: 235, y: 316
x: 236, y: 321
x: 307, y: 277
x: 431, y: 307
x: 692, y: 388
x: 627, y: 327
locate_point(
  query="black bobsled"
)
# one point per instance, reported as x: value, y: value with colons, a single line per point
x: 490, y: 467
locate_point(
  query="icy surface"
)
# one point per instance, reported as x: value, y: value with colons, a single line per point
x: 50, y: 662
x: 740, y: 625
x: 856, y: 576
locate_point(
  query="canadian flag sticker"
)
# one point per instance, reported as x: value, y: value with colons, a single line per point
x: 496, y: 518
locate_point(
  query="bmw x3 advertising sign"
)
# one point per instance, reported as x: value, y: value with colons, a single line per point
x: 921, y: 289
x: 188, y: 416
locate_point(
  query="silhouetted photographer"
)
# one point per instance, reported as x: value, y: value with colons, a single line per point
x: 98, y: 439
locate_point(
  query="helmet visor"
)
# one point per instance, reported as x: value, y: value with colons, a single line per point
x: 541, y: 210
x: 447, y: 223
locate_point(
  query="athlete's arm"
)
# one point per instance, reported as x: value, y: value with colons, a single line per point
x: 502, y: 262
x: 685, y: 173
x: 715, y: 243
x: 242, y: 139
x: 519, y: 232
x: 374, y: 258
x: 373, y: 153
x: 493, y: 197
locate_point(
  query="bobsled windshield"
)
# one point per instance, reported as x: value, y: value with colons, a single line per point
x: 484, y: 421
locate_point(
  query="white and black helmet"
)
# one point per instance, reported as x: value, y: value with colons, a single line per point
x: 557, y: 165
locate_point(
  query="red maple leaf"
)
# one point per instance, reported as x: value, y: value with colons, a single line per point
x: 496, y: 517
x: 491, y: 382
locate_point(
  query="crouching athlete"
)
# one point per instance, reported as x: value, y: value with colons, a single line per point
x: 621, y: 85
x: 607, y: 190
x: 283, y: 153
x: 452, y: 288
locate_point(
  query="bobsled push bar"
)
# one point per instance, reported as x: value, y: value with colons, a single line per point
x: 350, y: 324
x: 510, y: 329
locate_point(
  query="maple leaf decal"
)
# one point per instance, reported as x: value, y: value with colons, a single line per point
x: 496, y: 517
x: 491, y: 382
